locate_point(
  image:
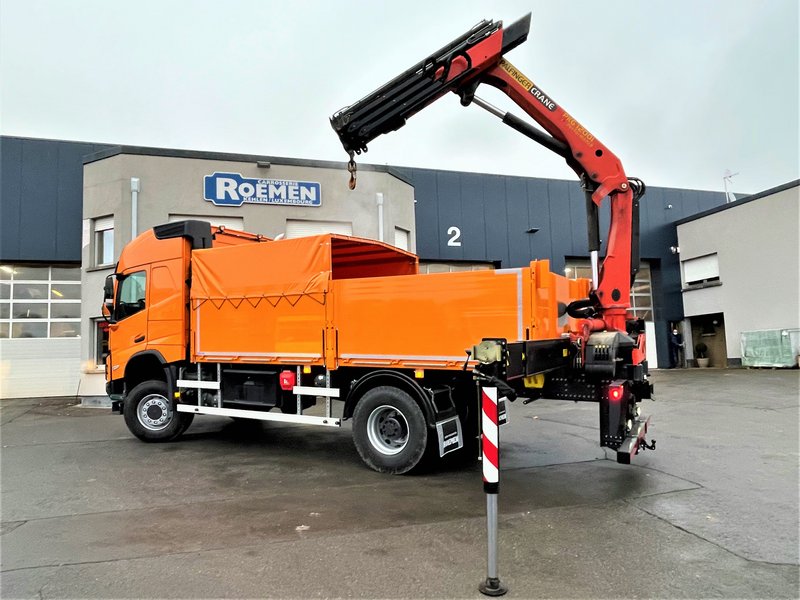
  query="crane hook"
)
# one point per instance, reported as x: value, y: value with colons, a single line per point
x: 351, y: 167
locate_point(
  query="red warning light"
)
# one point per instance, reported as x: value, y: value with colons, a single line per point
x: 615, y: 393
x: 287, y: 380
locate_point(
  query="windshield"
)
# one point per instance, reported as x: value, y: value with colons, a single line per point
x: 132, y: 292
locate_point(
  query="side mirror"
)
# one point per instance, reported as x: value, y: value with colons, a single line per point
x: 108, y: 289
x: 107, y: 310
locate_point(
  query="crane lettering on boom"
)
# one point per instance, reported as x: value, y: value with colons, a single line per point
x: 577, y: 128
x: 528, y: 85
x: 542, y: 97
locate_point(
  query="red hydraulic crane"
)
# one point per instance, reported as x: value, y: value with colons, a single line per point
x: 476, y: 58
x: 609, y: 348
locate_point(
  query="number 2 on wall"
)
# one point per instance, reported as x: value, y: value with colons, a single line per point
x: 455, y: 236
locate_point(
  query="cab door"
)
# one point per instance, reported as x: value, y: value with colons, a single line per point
x: 129, y: 323
x: 167, y: 308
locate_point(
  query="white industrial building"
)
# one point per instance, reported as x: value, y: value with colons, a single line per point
x: 740, y: 275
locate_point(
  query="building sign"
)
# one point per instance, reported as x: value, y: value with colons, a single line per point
x: 232, y: 189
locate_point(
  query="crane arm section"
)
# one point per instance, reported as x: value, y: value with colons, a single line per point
x: 476, y: 58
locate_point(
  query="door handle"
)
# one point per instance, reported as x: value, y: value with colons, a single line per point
x: 138, y: 339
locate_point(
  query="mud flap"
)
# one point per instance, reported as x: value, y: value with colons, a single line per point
x: 449, y: 434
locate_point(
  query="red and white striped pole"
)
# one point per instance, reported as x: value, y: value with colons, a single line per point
x: 490, y: 429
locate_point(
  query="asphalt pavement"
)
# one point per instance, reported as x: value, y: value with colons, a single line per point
x: 271, y: 510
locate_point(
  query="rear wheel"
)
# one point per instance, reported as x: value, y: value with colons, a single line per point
x: 389, y: 430
x: 151, y: 416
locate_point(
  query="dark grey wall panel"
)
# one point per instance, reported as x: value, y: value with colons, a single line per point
x: 427, y: 226
x: 472, y: 214
x: 448, y: 213
x: 518, y: 209
x: 41, y: 195
x: 495, y: 214
x: 38, y: 221
x: 539, y: 213
x: 10, y: 194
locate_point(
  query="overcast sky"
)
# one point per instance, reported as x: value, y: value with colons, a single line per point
x: 679, y: 90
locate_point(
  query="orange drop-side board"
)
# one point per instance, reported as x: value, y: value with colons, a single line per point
x: 338, y: 301
x: 430, y: 320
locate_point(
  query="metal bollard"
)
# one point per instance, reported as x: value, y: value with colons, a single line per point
x: 490, y: 443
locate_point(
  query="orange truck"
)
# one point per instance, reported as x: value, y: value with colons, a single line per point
x: 210, y: 321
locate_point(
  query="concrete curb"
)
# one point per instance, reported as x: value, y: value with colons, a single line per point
x: 95, y: 402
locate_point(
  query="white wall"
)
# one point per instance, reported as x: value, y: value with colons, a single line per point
x: 33, y: 367
x: 758, y: 248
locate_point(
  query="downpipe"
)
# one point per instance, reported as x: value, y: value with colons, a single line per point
x: 379, y: 202
x: 134, y: 206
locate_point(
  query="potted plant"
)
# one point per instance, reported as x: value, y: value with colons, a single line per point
x: 701, y: 354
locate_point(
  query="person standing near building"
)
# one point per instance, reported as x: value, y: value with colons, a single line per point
x: 675, y: 347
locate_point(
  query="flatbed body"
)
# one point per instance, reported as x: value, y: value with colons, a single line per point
x: 337, y: 301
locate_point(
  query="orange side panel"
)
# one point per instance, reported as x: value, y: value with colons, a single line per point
x: 274, y: 329
x: 282, y: 302
x: 548, y: 290
x: 427, y: 320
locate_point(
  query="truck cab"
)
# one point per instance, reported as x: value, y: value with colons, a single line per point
x: 146, y: 300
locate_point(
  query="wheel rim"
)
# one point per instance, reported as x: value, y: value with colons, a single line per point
x: 154, y: 412
x: 387, y: 430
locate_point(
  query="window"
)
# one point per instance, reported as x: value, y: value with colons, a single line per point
x: 703, y: 269
x: 641, y: 290
x: 131, y: 295
x: 642, y: 294
x: 578, y: 270
x: 40, y: 301
x: 454, y: 267
x: 401, y: 238
x: 104, y: 241
x: 100, y: 327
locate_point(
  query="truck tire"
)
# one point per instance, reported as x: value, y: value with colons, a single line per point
x: 151, y: 416
x: 389, y: 430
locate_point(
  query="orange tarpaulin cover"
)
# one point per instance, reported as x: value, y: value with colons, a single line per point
x: 283, y: 268
x: 292, y: 267
x: 342, y: 301
x: 268, y: 301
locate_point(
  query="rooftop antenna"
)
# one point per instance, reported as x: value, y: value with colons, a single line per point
x: 726, y: 179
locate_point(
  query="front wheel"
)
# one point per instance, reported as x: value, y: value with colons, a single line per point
x: 151, y: 416
x: 389, y: 430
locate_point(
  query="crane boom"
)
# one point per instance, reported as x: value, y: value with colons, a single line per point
x: 475, y: 58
